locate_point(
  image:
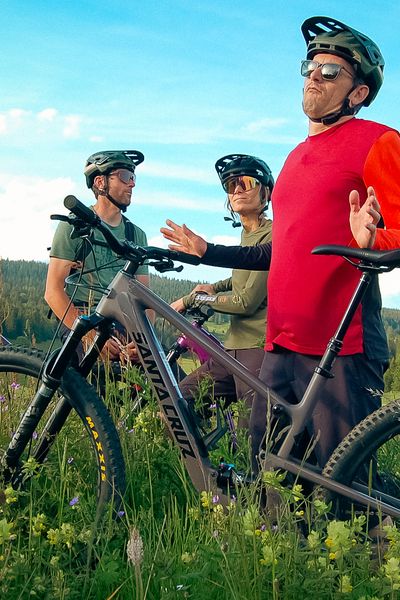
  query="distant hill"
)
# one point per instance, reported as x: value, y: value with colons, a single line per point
x: 23, y: 312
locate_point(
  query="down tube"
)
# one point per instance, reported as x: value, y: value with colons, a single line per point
x: 131, y: 313
x: 148, y: 299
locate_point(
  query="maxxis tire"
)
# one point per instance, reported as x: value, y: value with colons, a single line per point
x: 93, y: 414
x: 363, y: 442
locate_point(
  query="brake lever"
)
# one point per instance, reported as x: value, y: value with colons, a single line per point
x: 163, y: 267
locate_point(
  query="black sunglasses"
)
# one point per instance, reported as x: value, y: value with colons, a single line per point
x: 124, y: 175
x: 329, y: 71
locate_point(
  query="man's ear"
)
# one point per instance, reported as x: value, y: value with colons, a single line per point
x: 358, y: 95
x: 99, y: 182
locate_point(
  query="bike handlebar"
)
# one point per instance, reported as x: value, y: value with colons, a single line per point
x: 125, y: 249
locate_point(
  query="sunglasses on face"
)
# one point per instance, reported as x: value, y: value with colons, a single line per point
x: 125, y: 176
x: 244, y: 181
x: 329, y: 71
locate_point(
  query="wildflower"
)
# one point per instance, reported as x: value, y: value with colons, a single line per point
x: 38, y: 524
x: 11, y: 495
x: 339, y: 539
x: 120, y: 513
x: 268, y: 556
x: 15, y: 385
x: 187, y: 557
x: 215, y: 499
x: 2, y: 398
x: 5, y: 531
x: 321, y: 508
x: 134, y: 548
x: 206, y: 499
x: 194, y: 513
x: 74, y: 501
x: 250, y: 520
x: 392, y: 572
x: 54, y: 561
x: 313, y: 540
x: 67, y: 534
x: 297, y: 492
x: 35, y: 435
x: 30, y: 467
x: 53, y: 535
x: 345, y: 586
x: 332, y: 556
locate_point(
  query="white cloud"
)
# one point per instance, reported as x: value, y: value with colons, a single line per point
x: 27, y: 203
x: 34, y: 124
x: 390, y: 289
x: 47, y: 114
x: 72, y: 126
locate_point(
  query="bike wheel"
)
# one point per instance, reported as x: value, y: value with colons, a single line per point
x: 71, y: 464
x: 368, y: 459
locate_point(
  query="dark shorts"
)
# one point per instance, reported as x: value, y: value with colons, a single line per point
x: 352, y: 394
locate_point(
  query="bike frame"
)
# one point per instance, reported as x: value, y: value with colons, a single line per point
x: 127, y: 300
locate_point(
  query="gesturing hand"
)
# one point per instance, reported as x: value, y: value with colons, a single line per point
x: 184, y: 239
x: 364, y: 219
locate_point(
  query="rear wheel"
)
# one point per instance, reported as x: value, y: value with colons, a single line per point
x: 69, y: 464
x: 368, y: 459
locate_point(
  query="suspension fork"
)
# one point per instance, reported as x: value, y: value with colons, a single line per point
x: 50, y: 382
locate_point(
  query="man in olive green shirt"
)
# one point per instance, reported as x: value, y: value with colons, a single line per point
x: 111, y: 177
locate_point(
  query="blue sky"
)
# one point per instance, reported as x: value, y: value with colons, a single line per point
x: 185, y: 82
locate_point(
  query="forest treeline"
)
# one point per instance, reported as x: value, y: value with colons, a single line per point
x: 24, y: 313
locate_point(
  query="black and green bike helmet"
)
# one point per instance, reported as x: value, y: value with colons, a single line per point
x: 103, y: 162
x: 329, y: 36
x: 233, y: 165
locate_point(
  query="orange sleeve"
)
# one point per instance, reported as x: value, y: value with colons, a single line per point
x: 382, y: 171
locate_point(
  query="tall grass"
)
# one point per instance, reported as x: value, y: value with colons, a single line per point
x: 170, y: 542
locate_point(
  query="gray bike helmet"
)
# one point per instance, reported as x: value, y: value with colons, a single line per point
x: 329, y: 36
x: 102, y: 163
x: 233, y: 165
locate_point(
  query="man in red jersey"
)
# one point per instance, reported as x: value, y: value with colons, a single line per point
x: 343, y: 160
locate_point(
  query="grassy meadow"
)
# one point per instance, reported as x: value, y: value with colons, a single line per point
x: 168, y: 541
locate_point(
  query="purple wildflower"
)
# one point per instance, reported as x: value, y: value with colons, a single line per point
x: 74, y: 501
x: 2, y: 398
x: 120, y: 513
x: 15, y: 385
x: 215, y: 499
x: 35, y: 435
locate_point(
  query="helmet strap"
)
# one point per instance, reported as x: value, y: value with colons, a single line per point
x: 104, y: 192
x: 122, y: 207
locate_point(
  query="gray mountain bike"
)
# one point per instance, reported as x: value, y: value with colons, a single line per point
x: 67, y: 430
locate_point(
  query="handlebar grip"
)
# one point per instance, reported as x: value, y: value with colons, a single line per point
x: 80, y: 210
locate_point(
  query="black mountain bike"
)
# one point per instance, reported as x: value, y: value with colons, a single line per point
x: 66, y: 424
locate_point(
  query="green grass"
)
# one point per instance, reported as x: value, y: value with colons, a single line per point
x: 171, y: 542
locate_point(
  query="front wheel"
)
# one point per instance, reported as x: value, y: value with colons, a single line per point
x: 368, y: 459
x: 71, y: 464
